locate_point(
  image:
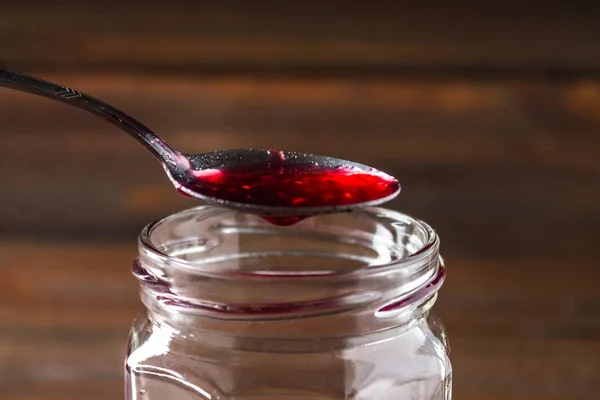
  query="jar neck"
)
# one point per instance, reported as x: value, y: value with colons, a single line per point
x: 214, y: 270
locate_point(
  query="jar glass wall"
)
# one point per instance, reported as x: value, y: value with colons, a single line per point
x: 334, y: 307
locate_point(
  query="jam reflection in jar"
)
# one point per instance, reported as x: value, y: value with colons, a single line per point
x: 334, y: 307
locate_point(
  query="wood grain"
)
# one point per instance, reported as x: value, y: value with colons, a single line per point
x: 294, y: 37
x: 519, y: 328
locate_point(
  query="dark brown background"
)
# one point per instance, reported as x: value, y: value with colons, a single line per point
x: 489, y: 115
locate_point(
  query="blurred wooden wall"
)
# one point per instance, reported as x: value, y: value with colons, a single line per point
x: 341, y: 38
x: 489, y: 114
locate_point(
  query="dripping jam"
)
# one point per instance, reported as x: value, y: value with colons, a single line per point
x: 303, y: 186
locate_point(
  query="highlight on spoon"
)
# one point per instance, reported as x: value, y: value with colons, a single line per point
x: 285, y: 187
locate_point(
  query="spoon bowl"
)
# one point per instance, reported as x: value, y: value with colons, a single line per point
x: 281, y: 185
x: 287, y: 165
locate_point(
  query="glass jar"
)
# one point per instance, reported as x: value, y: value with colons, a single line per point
x: 334, y: 307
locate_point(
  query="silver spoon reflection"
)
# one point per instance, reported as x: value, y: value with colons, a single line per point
x: 281, y: 186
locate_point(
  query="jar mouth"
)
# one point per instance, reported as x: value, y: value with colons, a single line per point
x: 225, y: 265
x: 369, y: 241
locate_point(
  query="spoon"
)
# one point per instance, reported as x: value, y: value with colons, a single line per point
x: 218, y: 177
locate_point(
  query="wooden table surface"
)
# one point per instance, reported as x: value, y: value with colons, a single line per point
x: 490, y: 121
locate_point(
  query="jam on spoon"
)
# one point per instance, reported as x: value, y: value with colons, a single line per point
x: 280, y: 181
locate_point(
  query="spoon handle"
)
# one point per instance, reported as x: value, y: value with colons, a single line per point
x: 54, y: 91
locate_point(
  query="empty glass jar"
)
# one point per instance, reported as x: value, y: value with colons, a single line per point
x: 334, y: 307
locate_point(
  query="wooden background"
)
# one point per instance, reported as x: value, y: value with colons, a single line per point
x: 488, y: 114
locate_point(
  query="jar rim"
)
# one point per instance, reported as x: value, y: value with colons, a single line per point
x: 425, y: 252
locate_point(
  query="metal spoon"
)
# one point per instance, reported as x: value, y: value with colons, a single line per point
x: 182, y: 169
